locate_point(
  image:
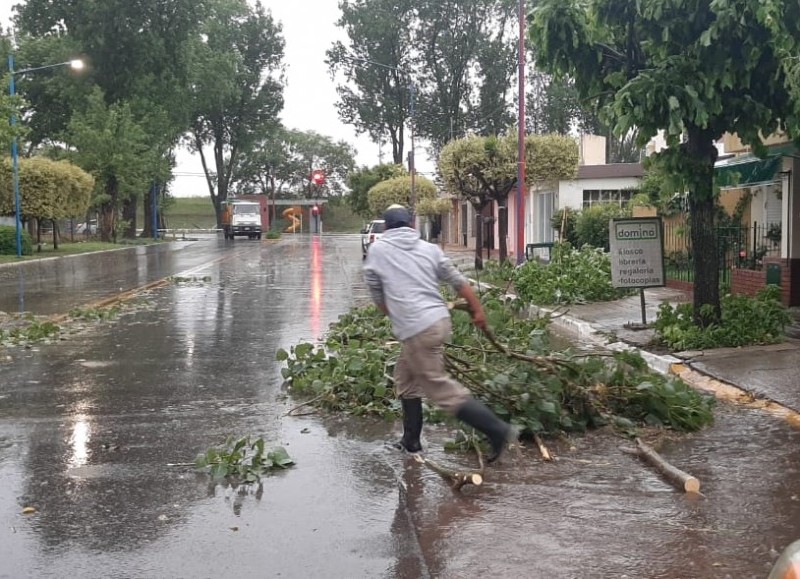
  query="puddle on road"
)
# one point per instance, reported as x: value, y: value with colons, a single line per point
x: 597, y: 510
x: 340, y: 512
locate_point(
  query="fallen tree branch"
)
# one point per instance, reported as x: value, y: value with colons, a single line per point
x: 675, y: 476
x: 299, y: 406
x: 545, y: 361
x: 457, y: 479
x: 542, y: 448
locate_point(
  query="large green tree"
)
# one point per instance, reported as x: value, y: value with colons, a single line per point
x: 53, y: 189
x: 136, y: 52
x: 397, y: 190
x: 109, y: 142
x: 461, y: 90
x: 694, y: 68
x: 363, y: 179
x: 375, y: 63
x: 237, y: 89
x: 282, y: 164
x: 496, y: 66
x: 456, y: 57
x: 553, y: 105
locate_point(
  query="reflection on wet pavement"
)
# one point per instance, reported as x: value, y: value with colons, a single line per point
x: 88, y: 426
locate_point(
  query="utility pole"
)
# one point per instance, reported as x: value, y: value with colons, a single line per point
x: 521, y: 136
x: 411, y: 168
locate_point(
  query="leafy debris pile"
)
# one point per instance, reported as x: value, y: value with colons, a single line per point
x: 529, y: 383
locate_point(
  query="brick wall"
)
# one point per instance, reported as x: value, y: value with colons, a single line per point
x: 749, y: 282
x: 685, y: 286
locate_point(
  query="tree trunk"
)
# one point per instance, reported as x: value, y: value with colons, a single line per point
x: 396, y: 137
x: 147, y: 227
x: 702, y: 155
x: 502, y: 214
x: 222, y: 181
x: 56, y: 234
x: 129, y: 216
x: 478, y: 238
x: 108, y: 213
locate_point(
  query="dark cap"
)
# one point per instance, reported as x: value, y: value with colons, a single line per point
x: 397, y: 216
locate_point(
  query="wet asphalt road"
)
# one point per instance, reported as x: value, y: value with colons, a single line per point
x: 88, y: 425
x: 54, y: 286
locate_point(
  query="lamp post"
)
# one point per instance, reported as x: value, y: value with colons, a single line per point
x: 75, y: 64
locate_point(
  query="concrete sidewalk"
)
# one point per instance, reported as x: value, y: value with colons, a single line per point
x: 766, y: 372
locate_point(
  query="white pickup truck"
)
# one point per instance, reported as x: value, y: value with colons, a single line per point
x: 370, y: 234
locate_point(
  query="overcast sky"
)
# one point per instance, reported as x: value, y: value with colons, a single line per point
x: 310, y: 95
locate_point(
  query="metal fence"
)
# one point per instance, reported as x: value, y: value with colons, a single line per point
x: 737, y: 247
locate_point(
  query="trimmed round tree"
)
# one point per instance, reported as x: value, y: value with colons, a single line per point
x: 398, y: 190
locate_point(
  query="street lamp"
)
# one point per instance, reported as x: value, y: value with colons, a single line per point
x: 76, y: 64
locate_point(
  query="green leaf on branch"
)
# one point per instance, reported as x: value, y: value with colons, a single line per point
x: 559, y: 393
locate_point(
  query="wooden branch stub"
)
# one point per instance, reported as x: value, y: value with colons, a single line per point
x: 457, y: 479
x: 542, y: 448
x: 675, y: 476
x: 459, y: 305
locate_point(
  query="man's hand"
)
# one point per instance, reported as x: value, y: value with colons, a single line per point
x: 475, y: 307
x: 479, y: 318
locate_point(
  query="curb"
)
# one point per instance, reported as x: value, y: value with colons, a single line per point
x: 584, y: 330
x: 669, y: 365
x: 666, y: 365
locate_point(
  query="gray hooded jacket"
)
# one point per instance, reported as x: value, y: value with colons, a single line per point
x: 403, y: 273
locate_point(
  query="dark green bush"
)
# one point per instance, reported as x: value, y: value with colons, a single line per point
x: 745, y: 321
x: 572, y: 276
x: 8, y: 241
x: 591, y: 224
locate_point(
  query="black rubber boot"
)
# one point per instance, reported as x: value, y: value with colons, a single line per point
x: 479, y: 417
x: 412, y: 425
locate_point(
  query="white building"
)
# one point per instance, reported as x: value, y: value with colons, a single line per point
x: 596, y: 182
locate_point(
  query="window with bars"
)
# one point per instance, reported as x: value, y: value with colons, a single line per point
x: 600, y: 196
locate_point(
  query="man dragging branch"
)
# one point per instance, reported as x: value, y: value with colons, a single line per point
x: 403, y: 274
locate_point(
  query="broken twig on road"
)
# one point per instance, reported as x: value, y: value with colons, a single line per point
x: 675, y: 476
x: 542, y: 448
x: 457, y: 479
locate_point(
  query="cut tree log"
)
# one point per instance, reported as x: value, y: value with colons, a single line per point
x: 675, y: 476
x: 542, y: 448
x: 457, y: 479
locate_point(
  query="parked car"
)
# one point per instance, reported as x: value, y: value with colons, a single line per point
x: 82, y: 228
x: 370, y: 234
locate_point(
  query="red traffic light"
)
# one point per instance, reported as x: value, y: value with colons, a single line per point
x: 318, y: 177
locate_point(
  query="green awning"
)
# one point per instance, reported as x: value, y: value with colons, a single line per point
x: 747, y: 170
